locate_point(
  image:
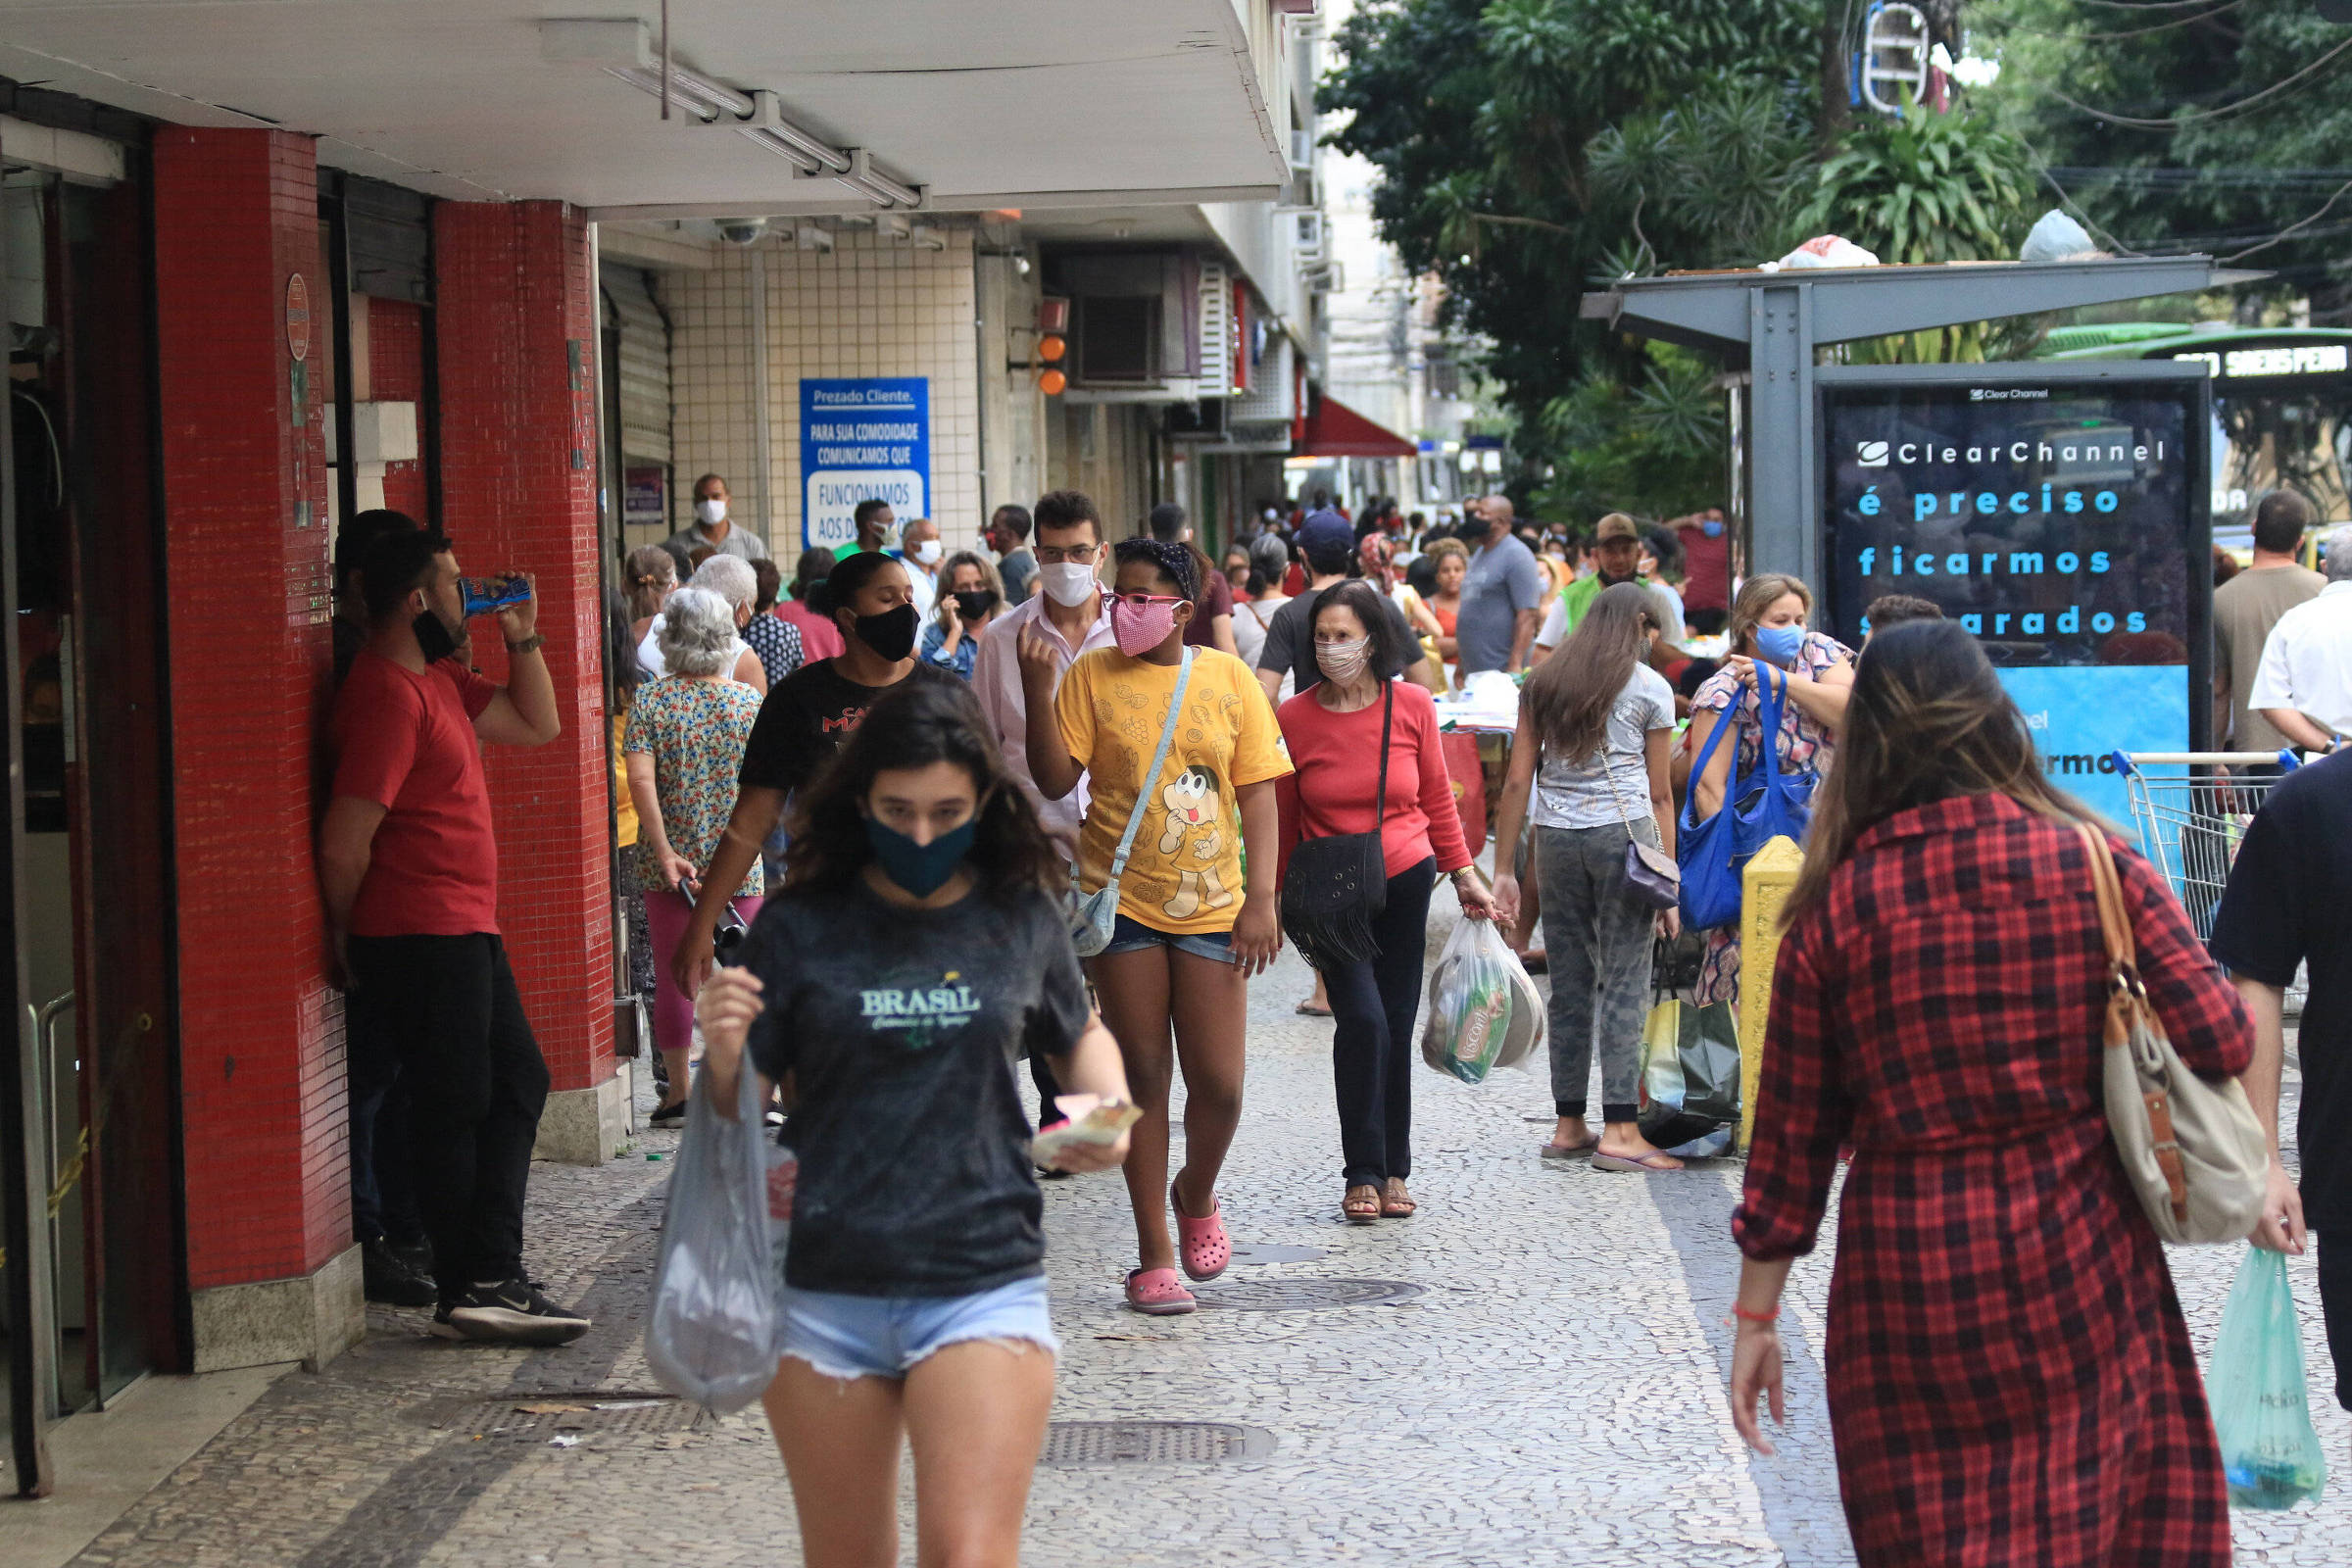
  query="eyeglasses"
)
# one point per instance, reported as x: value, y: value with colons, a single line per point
x: 1070, y: 555
x: 1145, y: 600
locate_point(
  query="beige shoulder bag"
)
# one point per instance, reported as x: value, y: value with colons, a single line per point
x: 2193, y: 1150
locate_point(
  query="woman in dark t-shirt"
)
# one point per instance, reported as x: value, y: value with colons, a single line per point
x: 916, y: 954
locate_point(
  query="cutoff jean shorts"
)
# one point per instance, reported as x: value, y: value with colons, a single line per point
x: 887, y: 1336
x: 1133, y: 936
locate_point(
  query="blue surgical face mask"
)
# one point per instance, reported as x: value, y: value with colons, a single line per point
x: 922, y: 869
x: 1779, y: 644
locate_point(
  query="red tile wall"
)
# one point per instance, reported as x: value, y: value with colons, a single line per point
x: 396, y: 374
x: 261, y: 1028
x: 516, y: 336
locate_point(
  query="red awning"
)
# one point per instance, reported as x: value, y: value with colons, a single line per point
x: 1335, y: 430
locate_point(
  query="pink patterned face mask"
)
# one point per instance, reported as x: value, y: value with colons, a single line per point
x: 1141, y: 622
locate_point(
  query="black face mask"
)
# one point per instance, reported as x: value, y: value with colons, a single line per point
x: 891, y: 634
x: 433, y: 637
x: 973, y: 603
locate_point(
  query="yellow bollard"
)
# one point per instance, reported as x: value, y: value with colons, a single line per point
x: 1763, y: 893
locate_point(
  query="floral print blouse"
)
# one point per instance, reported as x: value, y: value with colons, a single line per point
x: 696, y: 731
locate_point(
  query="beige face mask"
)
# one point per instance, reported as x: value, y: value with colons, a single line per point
x: 1344, y: 661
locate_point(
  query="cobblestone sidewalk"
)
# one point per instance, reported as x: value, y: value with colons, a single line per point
x: 1534, y: 1374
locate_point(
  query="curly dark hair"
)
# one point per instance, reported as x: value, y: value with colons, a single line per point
x: 915, y: 724
x: 1173, y: 562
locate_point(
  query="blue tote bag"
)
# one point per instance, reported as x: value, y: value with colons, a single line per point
x: 1760, y: 806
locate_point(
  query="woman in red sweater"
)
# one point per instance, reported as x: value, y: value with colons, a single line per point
x: 1333, y: 730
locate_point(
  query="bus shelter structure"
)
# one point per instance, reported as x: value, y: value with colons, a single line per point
x: 1775, y: 323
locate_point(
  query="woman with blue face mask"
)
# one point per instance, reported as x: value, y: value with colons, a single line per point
x: 1767, y: 627
x: 916, y: 953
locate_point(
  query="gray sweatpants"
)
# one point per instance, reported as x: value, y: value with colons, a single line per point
x: 1597, y: 937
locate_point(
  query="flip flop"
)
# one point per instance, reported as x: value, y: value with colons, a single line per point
x: 1360, y: 1211
x: 1202, y: 1244
x: 1159, y: 1293
x: 1602, y: 1161
x: 1309, y: 1009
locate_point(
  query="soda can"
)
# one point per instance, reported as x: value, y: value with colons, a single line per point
x: 487, y: 595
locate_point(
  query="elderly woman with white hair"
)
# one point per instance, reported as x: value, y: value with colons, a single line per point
x: 684, y: 746
x: 730, y: 578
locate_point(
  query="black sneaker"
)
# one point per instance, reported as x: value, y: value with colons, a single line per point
x: 391, y: 1280
x: 442, y: 1327
x: 514, y: 1313
x: 667, y: 1115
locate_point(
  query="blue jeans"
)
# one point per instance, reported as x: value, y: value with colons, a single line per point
x: 888, y: 1336
x: 1133, y: 936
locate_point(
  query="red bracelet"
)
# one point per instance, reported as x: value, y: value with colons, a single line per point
x: 1746, y: 1316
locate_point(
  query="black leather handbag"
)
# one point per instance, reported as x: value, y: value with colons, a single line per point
x: 1338, y: 885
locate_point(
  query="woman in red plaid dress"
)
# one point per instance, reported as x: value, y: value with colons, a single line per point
x: 2010, y: 1381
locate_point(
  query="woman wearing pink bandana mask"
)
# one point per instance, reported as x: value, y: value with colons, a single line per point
x: 1189, y: 934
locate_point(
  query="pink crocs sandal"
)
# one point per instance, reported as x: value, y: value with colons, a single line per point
x: 1159, y: 1293
x: 1202, y: 1244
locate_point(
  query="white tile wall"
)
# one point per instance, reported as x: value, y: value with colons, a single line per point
x: 869, y: 306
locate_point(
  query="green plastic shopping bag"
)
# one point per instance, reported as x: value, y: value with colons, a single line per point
x: 2261, y: 1412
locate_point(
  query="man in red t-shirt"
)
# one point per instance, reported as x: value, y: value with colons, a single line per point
x: 408, y: 873
x: 1706, y: 571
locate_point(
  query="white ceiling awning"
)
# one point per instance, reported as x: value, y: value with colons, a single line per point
x: 1017, y: 103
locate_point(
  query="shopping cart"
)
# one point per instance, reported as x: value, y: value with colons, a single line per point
x: 2191, y: 810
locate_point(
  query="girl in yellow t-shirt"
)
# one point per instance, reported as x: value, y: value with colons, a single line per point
x: 1189, y: 933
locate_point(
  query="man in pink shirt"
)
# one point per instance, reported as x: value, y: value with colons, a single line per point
x: 1072, y: 611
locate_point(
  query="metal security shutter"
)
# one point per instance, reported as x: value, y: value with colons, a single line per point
x: 643, y: 370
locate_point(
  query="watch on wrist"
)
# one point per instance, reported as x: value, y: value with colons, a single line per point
x: 529, y: 645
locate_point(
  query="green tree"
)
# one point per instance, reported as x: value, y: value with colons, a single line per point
x: 1926, y: 187
x: 2214, y: 127
x: 1491, y: 122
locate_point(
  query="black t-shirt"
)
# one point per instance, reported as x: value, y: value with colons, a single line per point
x: 903, y: 1028
x: 1291, y: 639
x: 805, y: 718
x: 2286, y: 904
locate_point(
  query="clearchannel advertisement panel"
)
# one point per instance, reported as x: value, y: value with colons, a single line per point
x: 2059, y: 525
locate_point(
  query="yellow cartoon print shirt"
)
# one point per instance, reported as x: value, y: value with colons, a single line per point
x: 1184, y: 874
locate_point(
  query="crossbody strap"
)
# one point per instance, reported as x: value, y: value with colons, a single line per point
x: 1159, y: 759
x: 1615, y: 794
x: 2115, y: 923
x: 1388, y: 710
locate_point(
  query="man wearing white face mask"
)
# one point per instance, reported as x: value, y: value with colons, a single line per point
x: 920, y: 548
x: 711, y: 529
x: 1070, y: 609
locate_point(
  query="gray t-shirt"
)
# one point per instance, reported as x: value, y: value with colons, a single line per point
x: 740, y: 541
x: 1577, y: 793
x: 1503, y: 580
x: 901, y: 1027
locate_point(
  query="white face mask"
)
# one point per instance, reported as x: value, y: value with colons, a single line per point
x: 1344, y: 661
x: 710, y: 510
x: 928, y: 552
x: 1068, y: 584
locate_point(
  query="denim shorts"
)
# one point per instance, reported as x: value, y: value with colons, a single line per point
x: 885, y: 1336
x: 1133, y: 936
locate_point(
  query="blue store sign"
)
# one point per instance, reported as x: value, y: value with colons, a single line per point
x: 862, y: 438
x: 2059, y: 513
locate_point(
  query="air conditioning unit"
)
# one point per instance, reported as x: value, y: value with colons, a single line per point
x: 1216, y: 326
x: 1131, y: 318
x: 1202, y: 420
x: 1303, y: 149
x: 1307, y: 238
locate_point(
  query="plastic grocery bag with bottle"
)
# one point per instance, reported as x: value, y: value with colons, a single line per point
x: 1484, y: 1011
x: 713, y: 1338
x: 2261, y: 1410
